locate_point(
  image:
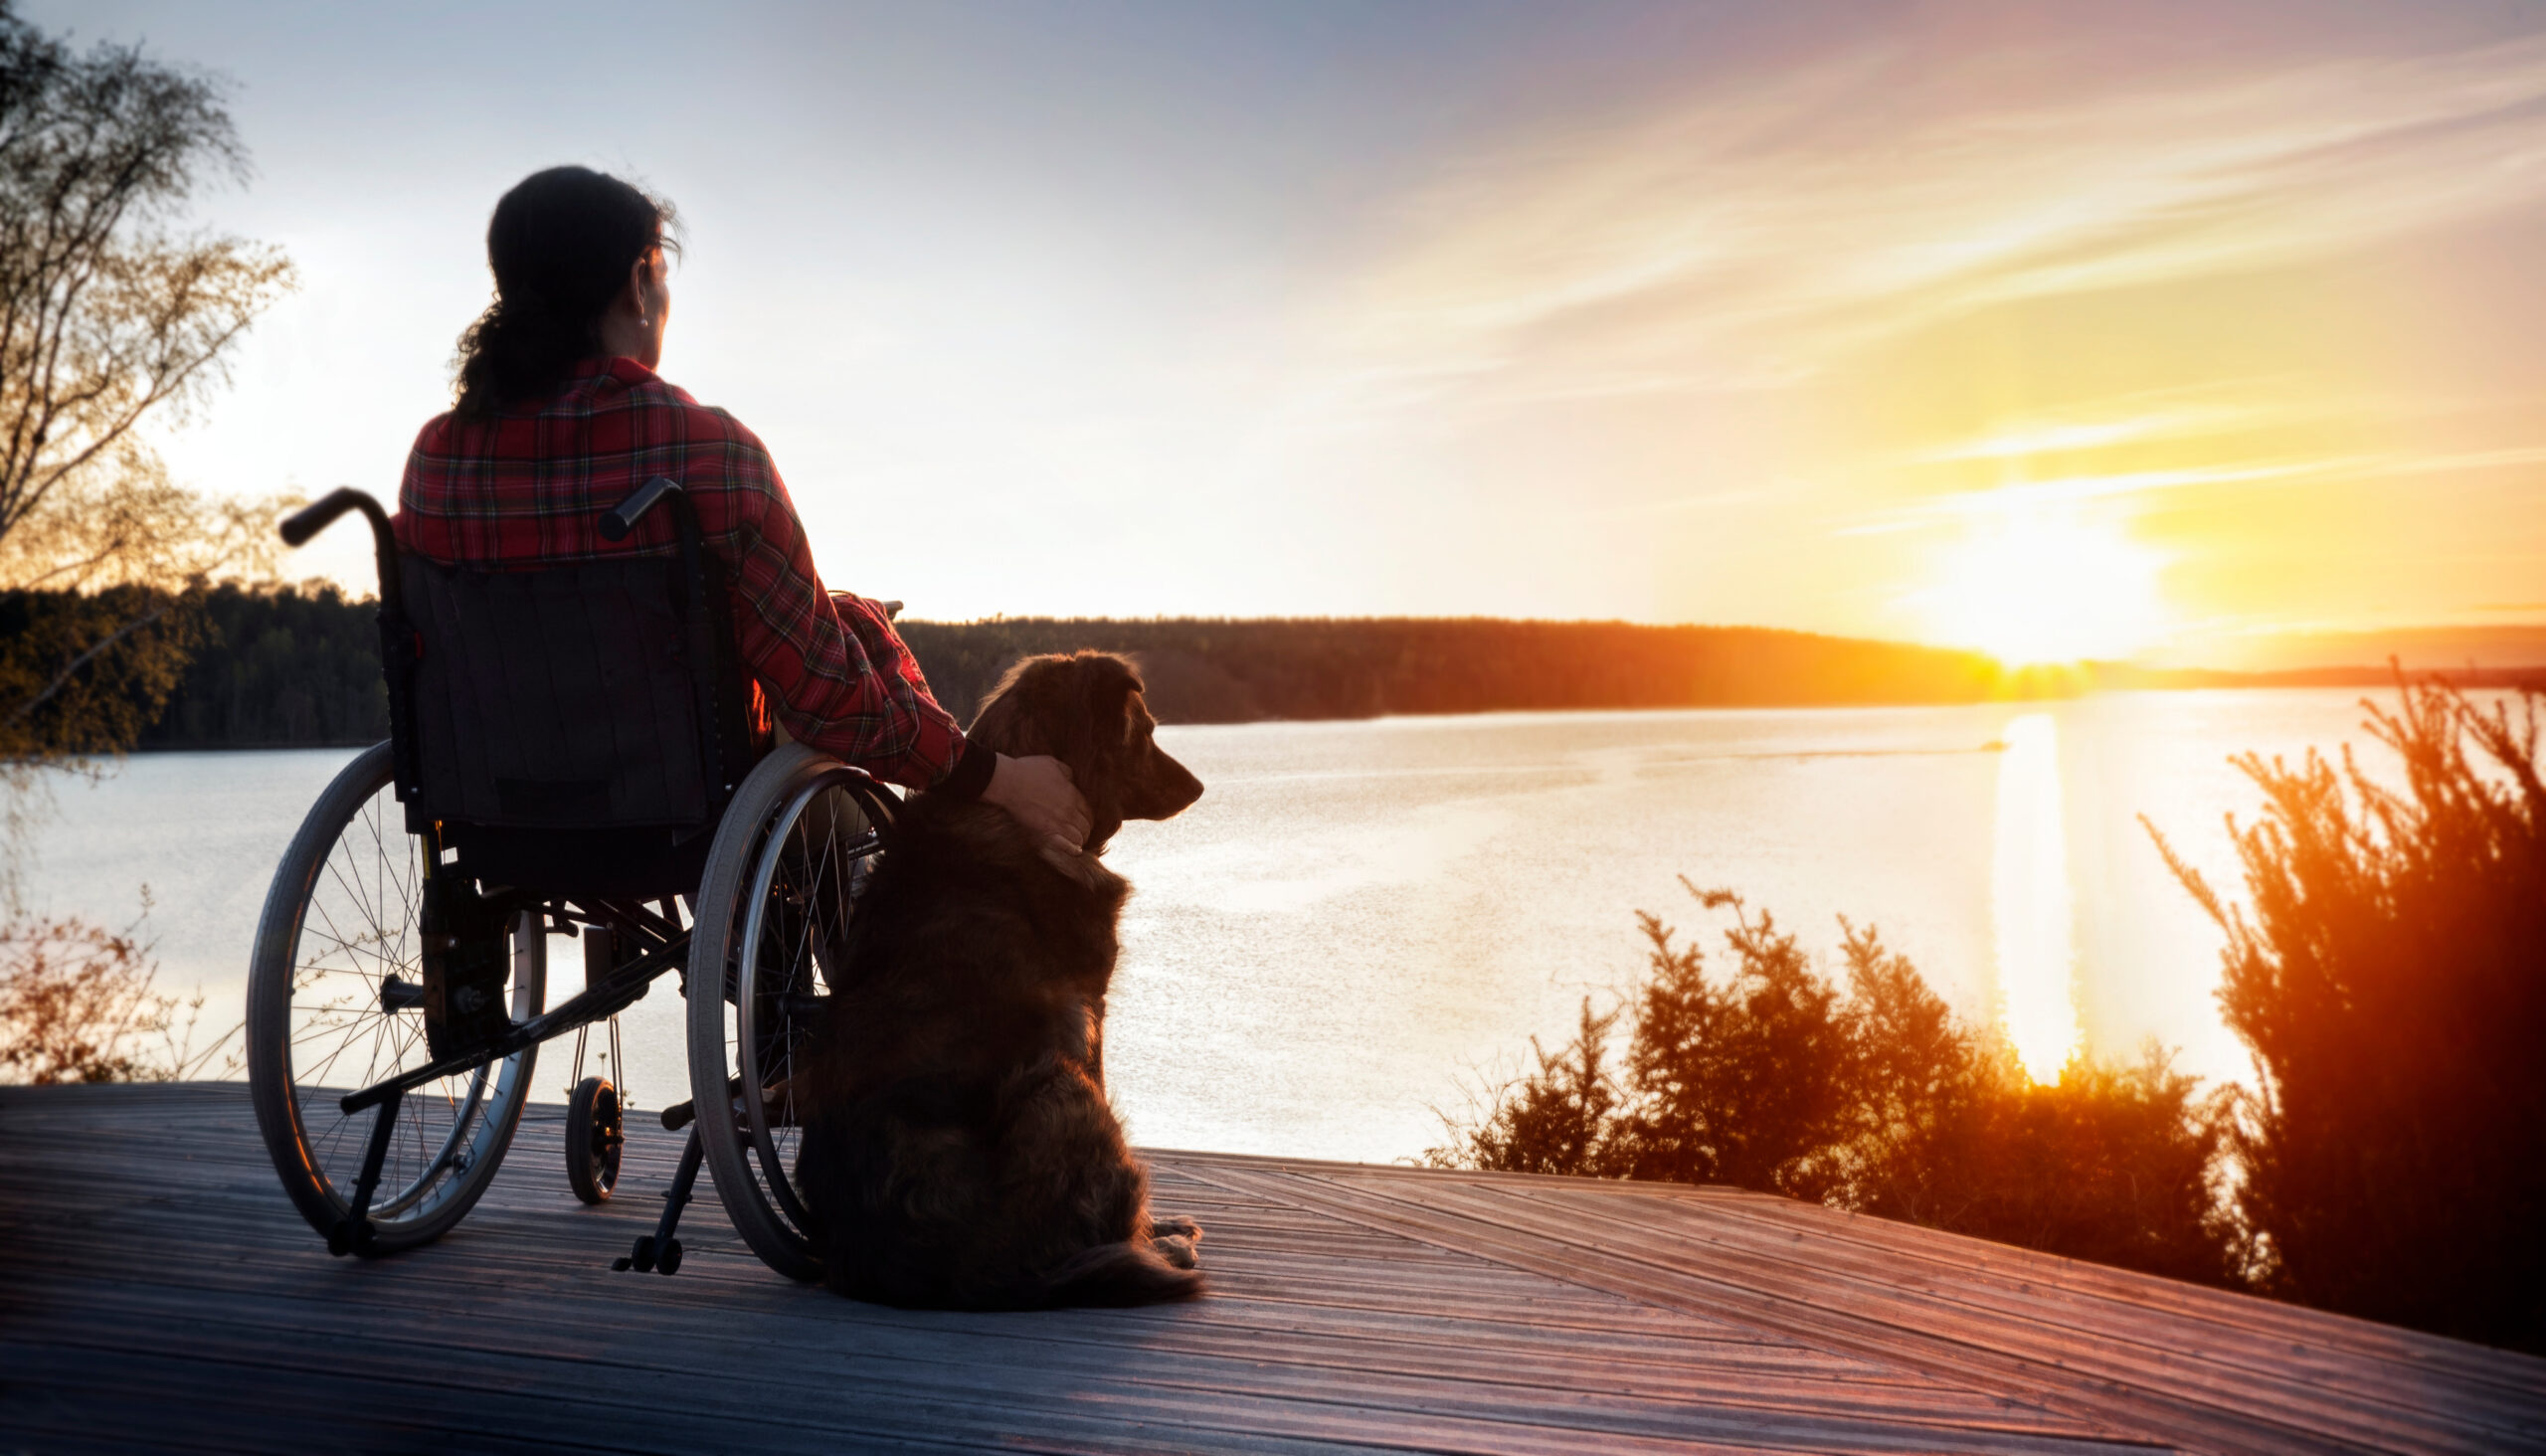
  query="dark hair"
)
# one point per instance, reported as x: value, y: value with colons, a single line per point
x: 561, y: 244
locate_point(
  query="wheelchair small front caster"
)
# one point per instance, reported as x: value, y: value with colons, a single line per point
x: 669, y: 1260
x: 594, y: 1139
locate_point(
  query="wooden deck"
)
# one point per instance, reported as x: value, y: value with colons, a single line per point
x: 157, y: 1293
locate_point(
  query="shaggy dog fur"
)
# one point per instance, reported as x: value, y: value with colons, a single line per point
x: 959, y: 1149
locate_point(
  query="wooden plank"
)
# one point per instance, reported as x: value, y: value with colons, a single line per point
x: 1354, y: 1308
x: 2314, y: 1361
x: 156, y: 1401
x: 2134, y: 1354
x: 1527, y: 1235
x: 1515, y: 1387
x: 1206, y: 1307
x: 1151, y: 1384
x: 2302, y: 1383
x: 1327, y: 1336
x: 1924, y: 1247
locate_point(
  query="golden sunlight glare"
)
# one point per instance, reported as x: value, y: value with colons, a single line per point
x: 2030, y: 902
x: 2045, y: 583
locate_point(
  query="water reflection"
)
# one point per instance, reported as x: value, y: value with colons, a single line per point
x: 2029, y: 900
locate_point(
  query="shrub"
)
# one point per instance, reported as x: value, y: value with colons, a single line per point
x: 1561, y: 1119
x: 2117, y: 1165
x: 1876, y: 1099
x: 78, y: 1004
x: 2390, y: 982
x: 1744, y: 1083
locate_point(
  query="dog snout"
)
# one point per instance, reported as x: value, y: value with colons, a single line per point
x: 1173, y: 787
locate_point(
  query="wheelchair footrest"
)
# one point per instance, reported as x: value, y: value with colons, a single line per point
x: 659, y: 1252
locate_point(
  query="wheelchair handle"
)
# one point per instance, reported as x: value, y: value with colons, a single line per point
x: 622, y: 518
x: 311, y: 519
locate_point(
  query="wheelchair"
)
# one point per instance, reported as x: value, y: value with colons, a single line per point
x: 574, y: 751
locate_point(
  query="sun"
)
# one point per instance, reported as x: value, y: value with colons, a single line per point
x: 2045, y: 583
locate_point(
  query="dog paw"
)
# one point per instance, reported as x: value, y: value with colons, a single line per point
x: 1177, y: 1250
x: 1177, y: 1226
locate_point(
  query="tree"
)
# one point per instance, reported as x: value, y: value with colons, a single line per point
x: 107, y: 314
x: 2390, y: 980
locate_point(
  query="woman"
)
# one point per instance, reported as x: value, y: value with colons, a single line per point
x: 561, y: 414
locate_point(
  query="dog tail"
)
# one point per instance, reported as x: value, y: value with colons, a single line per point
x: 1115, y: 1275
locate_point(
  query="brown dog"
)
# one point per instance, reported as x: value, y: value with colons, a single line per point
x: 959, y: 1151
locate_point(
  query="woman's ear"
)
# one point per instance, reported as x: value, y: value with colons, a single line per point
x: 633, y: 325
x: 639, y: 296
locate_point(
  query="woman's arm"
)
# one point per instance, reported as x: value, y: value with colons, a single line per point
x: 1037, y: 790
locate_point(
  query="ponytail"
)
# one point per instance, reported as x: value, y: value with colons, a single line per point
x: 561, y: 245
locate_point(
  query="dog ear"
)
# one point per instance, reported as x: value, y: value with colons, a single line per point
x: 1009, y: 721
x: 1065, y: 706
x: 1099, y: 723
x: 1109, y: 691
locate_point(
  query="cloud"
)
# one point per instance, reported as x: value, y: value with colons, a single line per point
x: 2083, y: 490
x: 1752, y: 236
x: 2117, y: 421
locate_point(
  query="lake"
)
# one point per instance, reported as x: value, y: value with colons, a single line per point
x: 1361, y: 921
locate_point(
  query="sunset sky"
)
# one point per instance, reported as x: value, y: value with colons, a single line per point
x: 2050, y: 329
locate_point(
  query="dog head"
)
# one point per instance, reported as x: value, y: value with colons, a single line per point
x: 1087, y: 710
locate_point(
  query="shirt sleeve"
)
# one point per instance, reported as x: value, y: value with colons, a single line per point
x: 840, y: 677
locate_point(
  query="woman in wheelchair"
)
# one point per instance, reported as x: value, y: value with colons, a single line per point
x: 619, y: 688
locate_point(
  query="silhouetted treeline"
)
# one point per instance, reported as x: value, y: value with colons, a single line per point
x: 279, y: 668
x: 2389, y: 978
x: 288, y: 666
x: 282, y: 667
x: 1205, y: 671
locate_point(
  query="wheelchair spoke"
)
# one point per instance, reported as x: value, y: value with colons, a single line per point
x: 357, y: 930
x: 355, y: 895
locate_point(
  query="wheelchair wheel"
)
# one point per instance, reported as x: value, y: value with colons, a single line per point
x: 772, y: 913
x: 334, y: 990
x: 592, y: 1140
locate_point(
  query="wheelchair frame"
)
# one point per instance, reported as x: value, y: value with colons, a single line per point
x: 645, y: 941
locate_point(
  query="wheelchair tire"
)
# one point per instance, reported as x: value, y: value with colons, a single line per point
x: 772, y: 908
x: 334, y: 986
x: 592, y: 1140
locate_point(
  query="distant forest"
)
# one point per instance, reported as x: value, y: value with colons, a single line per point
x: 279, y: 668
x: 1203, y: 670
x: 301, y: 668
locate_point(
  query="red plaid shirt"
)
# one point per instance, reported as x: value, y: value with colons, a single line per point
x: 528, y: 488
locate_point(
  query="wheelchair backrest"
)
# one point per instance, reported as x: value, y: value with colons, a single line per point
x: 583, y: 696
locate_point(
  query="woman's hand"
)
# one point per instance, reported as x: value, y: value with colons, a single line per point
x: 1038, y: 794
